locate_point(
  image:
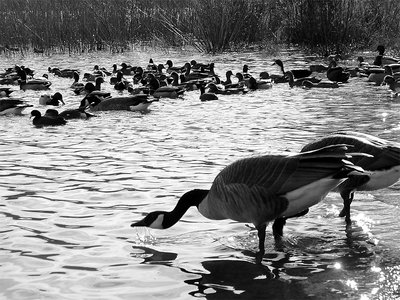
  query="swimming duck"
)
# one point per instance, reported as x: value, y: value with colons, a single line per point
x: 381, y: 60
x: 12, y: 106
x: 78, y: 113
x: 51, y: 119
x: 67, y: 73
x: 206, y: 96
x: 217, y: 89
x: 90, y: 87
x: 336, y: 73
x: 299, y: 82
x: 5, y: 91
x: 322, y: 84
x: 394, y: 85
x: 76, y: 84
x: 121, y: 83
x: 33, y: 84
x: 171, y: 68
x: 297, y: 73
x: 138, y: 102
x: 260, y: 189
x: 55, y: 100
x: 378, y: 77
x: 228, y: 80
x: 254, y: 84
x: 382, y: 165
x: 168, y: 92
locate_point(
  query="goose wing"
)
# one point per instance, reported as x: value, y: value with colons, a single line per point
x: 385, y: 154
x: 252, y: 189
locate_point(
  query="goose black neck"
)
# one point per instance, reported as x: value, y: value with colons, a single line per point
x: 191, y: 198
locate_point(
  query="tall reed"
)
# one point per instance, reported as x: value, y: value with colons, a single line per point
x: 209, y: 25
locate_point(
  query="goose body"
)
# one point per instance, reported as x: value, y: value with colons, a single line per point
x: 11, y: 106
x: 260, y: 189
x: 50, y: 119
x: 138, y: 102
x: 382, y: 167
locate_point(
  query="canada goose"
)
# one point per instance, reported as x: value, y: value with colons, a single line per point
x: 138, y: 102
x: 260, y: 189
x: 383, y: 164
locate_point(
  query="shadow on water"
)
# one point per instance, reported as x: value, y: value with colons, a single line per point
x: 308, y: 267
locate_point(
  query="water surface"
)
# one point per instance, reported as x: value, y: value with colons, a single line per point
x: 70, y: 193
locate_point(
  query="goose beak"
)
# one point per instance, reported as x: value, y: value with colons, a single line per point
x: 140, y: 223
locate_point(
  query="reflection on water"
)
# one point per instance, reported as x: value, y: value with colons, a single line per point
x: 69, y: 194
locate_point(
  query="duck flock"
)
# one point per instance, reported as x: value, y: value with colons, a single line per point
x: 257, y: 190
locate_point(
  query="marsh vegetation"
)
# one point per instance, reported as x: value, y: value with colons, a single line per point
x: 208, y: 25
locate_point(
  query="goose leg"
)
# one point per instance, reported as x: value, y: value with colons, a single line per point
x: 261, y: 241
x: 347, y: 199
x: 279, y: 223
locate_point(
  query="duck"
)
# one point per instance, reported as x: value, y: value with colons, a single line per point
x: 228, y: 80
x: 78, y: 113
x: 52, y: 119
x: 5, y: 92
x: 33, y: 84
x: 299, y: 82
x: 139, y: 102
x: 76, y: 84
x: 254, y: 84
x: 394, y: 86
x: 378, y: 77
x: 168, y: 92
x: 121, y: 83
x: 297, y: 73
x: 260, y: 189
x: 381, y: 60
x: 336, y: 73
x: 322, y: 84
x: 216, y: 89
x: 171, y: 68
x: 381, y: 164
x: 206, y: 96
x: 66, y: 73
x: 55, y: 100
x: 195, y: 75
x: 12, y: 106
x: 89, y: 87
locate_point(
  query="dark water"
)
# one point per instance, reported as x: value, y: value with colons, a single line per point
x: 69, y: 194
